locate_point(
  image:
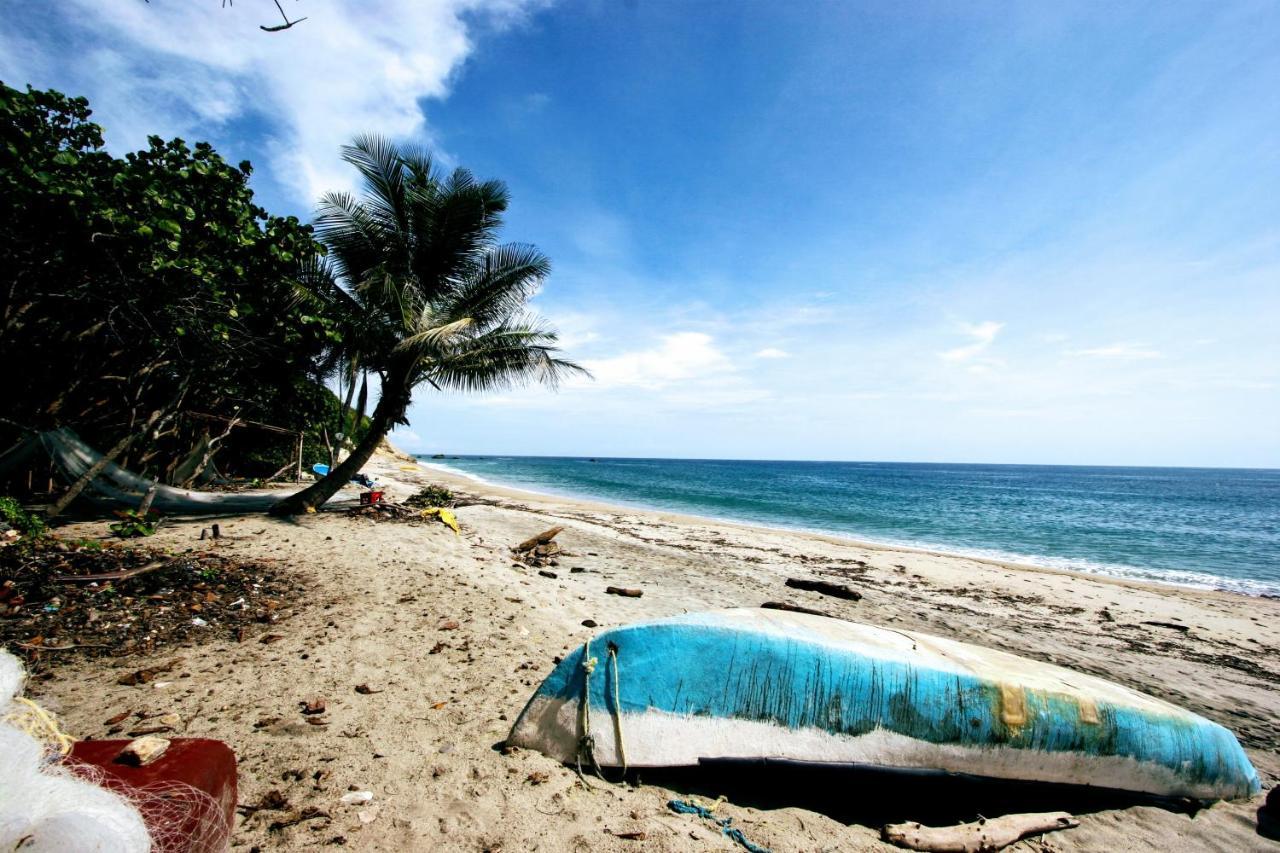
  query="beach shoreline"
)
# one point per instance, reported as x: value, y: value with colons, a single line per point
x: 450, y: 636
x: 464, y: 481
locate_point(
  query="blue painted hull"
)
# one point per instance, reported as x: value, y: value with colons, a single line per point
x: 765, y: 684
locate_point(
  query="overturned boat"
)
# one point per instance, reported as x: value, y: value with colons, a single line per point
x: 769, y: 684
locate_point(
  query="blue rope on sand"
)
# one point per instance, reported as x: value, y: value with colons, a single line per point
x: 683, y: 807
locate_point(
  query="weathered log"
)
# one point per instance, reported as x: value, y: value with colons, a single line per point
x: 793, y: 608
x: 979, y: 837
x: 836, y: 590
x: 123, y: 574
x: 624, y: 592
x: 541, y: 539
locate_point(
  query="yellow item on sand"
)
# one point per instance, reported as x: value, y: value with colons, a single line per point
x: 445, y: 516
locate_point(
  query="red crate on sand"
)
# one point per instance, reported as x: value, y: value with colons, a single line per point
x: 187, y: 796
x: 369, y: 498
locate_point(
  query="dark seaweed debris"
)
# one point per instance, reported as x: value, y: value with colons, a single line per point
x: 48, y: 614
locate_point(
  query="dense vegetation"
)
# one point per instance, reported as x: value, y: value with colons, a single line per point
x: 146, y: 300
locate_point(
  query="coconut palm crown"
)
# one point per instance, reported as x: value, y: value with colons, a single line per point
x: 430, y: 294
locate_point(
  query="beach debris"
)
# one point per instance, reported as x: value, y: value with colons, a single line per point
x: 314, y: 705
x: 1183, y: 628
x: 793, y: 608
x: 272, y: 801
x: 590, y: 623
x: 542, y: 538
x: 366, y: 690
x: 724, y: 823
x: 352, y: 798
x: 541, y: 550
x: 143, y: 750
x: 438, y: 648
x: 142, y: 676
x: 624, y: 591
x: 632, y: 835
x: 835, y: 590
x: 309, y: 813
x: 268, y: 639
x: 546, y: 574
x: 982, y: 835
x: 537, y: 777
x: 118, y: 718
x: 448, y: 625
x: 107, y: 601
x: 444, y: 516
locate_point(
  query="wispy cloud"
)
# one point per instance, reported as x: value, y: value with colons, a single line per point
x: 772, y: 352
x: 1126, y: 351
x: 983, y: 335
x: 185, y: 68
x: 679, y: 358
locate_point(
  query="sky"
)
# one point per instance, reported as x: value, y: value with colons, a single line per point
x: 1018, y: 232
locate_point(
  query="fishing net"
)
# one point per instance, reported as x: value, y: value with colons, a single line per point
x: 49, y: 805
x: 119, y: 487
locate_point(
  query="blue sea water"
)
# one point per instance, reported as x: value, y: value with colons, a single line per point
x: 1205, y: 527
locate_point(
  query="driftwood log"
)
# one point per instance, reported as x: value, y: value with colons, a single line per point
x: 542, y: 538
x: 624, y: 592
x: 980, y: 836
x: 835, y: 590
x: 792, y: 608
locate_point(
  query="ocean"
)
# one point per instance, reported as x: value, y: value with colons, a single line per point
x: 1202, y: 527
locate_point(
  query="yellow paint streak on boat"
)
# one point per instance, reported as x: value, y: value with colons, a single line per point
x: 1013, y: 706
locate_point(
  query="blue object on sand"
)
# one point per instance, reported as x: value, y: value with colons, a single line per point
x: 755, y: 683
x: 321, y: 469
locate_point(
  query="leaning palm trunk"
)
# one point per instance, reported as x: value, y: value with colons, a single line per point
x: 389, y: 411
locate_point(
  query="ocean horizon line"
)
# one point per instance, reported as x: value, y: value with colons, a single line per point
x: 587, y: 457
x: 1071, y: 562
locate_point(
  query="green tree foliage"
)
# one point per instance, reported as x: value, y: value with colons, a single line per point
x: 133, y: 289
x: 437, y: 300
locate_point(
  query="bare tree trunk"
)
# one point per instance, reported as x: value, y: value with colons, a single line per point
x: 362, y: 402
x: 346, y: 407
x: 210, y: 448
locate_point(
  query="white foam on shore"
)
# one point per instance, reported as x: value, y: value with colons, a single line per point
x: 1166, y: 577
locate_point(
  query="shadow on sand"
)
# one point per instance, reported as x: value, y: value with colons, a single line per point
x: 873, y: 797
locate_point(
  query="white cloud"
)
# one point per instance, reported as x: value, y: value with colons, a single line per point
x: 350, y: 68
x: 679, y: 358
x: 1120, y: 350
x: 983, y: 335
x: 772, y: 352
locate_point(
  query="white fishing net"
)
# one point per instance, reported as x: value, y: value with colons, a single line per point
x: 118, y: 486
x: 44, y: 806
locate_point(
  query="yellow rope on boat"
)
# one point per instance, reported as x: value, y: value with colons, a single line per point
x: 617, y: 708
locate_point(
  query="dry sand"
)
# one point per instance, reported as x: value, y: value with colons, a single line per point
x: 383, y: 596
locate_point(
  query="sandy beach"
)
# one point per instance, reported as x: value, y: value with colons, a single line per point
x: 451, y: 637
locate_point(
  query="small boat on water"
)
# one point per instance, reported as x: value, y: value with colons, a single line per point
x: 770, y: 684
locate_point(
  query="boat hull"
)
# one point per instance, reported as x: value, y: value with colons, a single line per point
x: 751, y: 684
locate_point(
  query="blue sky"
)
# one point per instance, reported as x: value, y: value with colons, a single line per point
x: 940, y: 232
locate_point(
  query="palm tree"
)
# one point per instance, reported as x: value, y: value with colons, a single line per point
x: 435, y: 298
